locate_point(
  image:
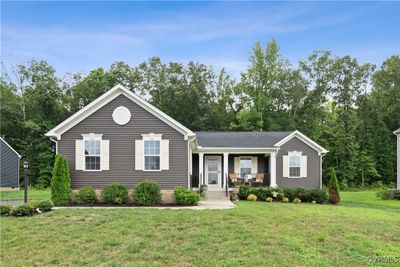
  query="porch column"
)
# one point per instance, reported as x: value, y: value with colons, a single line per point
x: 201, y: 168
x: 226, y: 157
x: 272, y: 169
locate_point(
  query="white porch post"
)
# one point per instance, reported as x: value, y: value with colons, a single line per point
x: 201, y: 168
x: 272, y: 169
x: 226, y: 157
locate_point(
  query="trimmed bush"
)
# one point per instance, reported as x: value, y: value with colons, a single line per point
x: 333, y: 186
x: 396, y: 195
x: 252, y: 197
x: 5, y: 210
x: 61, y: 193
x: 285, y: 200
x: 297, y: 201
x: 383, y: 194
x: 269, y: 199
x: 147, y: 193
x: 244, y: 192
x: 290, y: 193
x: 185, y: 196
x: 318, y: 195
x: 23, y: 210
x: 44, y: 205
x: 261, y: 192
x: 115, y: 194
x: 86, y: 196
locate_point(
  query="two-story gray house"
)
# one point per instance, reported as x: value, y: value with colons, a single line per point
x: 121, y: 138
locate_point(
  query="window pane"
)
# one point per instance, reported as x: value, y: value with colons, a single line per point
x: 294, y: 161
x: 152, y: 162
x: 146, y: 147
x: 157, y: 147
x: 92, y: 163
x: 294, y: 171
x: 86, y: 147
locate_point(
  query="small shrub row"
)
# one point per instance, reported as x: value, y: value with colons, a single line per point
x: 26, y: 209
x: 146, y: 193
x: 320, y: 196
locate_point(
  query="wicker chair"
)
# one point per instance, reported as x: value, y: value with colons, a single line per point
x: 259, y: 178
x: 232, y: 177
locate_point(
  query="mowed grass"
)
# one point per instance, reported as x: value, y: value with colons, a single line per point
x: 253, y: 234
x: 33, y: 194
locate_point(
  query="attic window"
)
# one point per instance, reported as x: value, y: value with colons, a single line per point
x: 121, y: 115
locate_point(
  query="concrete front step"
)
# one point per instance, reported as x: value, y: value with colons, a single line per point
x: 216, y: 195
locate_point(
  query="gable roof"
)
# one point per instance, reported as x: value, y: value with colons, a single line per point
x: 253, y: 140
x: 303, y: 138
x: 239, y: 139
x: 397, y: 131
x: 108, y: 97
x: 4, y: 141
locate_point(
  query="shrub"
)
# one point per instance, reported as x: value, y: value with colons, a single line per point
x: 290, y: 193
x: 296, y: 201
x: 86, y: 196
x: 147, y: 193
x: 318, y: 195
x: 383, y: 194
x: 185, y: 196
x: 285, y: 200
x: 244, y: 191
x: 61, y: 182
x: 252, y: 197
x: 115, y: 194
x: 261, y: 192
x: 396, y: 195
x: 5, y: 210
x: 269, y: 199
x: 44, y: 205
x: 23, y: 210
x: 203, y: 190
x: 333, y: 186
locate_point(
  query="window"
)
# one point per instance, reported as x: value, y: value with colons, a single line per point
x: 294, y: 164
x: 245, y: 166
x: 152, y: 155
x: 92, y: 154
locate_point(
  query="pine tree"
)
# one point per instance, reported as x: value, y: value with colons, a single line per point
x: 61, y: 182
x: 333, y: 187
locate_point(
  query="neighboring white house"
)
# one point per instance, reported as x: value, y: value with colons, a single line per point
x: 397, y: 132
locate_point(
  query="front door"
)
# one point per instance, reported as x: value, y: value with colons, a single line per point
x: 213, y: 172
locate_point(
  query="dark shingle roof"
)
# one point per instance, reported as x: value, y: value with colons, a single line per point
x: 239, y: 139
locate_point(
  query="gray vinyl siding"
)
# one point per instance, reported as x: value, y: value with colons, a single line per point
x: 122, y: 148
x: 313, y: 166
x: 9, y: 166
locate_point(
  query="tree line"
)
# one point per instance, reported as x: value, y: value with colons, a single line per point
x: 349, y: 108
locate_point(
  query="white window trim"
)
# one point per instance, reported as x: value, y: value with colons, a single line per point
x: 151, y: 137
x: 92, y: 136
x: 298, y: 154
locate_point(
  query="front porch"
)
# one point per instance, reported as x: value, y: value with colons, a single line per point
x: 222, y: 170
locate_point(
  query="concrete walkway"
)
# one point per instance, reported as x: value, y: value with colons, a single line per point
x: 15, y: 202
x: 203, y: 205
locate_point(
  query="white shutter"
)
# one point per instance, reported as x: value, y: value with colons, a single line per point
x: 254, y: 165
x: 303, y: 166
x: 285, y: 166
x: 164, y: 154
x: 79, y: 155
x: 138, y: 154
x: 237, y: 165
x: 105, y: 155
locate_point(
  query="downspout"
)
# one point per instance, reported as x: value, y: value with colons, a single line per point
x: 55, y: 141
x: 189, y: 160
x: 320, y: 170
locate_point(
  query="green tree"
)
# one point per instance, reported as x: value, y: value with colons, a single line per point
x: 61, y: 182
x: 333, y: 187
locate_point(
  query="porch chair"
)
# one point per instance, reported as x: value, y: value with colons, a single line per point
x: 232, y: 177
x: 259, y: 178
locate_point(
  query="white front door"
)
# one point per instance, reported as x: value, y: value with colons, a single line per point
x: 213, y: 172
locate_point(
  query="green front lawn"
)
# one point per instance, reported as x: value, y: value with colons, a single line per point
x: 254, y: 233
x: 33, y: 194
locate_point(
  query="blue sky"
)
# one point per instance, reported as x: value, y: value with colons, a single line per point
x: 81, y: 36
